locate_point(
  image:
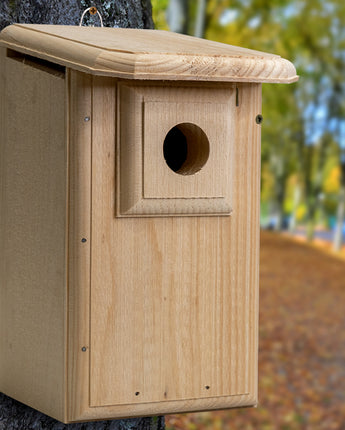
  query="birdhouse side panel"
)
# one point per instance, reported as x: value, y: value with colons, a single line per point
x: 33, y: 233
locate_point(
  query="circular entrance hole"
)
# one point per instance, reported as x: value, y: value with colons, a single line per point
x: 186, y: 149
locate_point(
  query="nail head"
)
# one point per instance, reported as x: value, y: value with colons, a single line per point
x: 259, y: 119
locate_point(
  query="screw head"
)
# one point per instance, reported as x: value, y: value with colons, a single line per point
x: 83, y: 348
x: 87, y: 119
x: 83, y: 240
x: 259, y: 119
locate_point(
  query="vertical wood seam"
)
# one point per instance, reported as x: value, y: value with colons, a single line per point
x: 67, y: 252
x: 90, y: 239
x: 79, y: 256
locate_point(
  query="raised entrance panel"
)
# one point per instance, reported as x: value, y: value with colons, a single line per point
x: 175, y: 150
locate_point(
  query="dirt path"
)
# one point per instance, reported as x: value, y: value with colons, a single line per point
x: 302, y: 345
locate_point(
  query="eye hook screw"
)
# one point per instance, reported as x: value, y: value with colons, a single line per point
x: 93, y: 11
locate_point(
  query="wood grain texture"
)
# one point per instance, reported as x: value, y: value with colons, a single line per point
x: 80, y: 136
x: 159, y: 335
x: 33, y: 225
x: 145, y: 316
x: 147, y: 186
x: 146, y: 54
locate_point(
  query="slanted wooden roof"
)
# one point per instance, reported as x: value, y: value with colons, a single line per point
x: 146, y: 54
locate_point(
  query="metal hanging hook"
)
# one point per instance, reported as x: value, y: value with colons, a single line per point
x: 93, y: 11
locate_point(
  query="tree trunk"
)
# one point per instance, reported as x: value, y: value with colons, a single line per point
x: 177, y: 16
x: 296, y: 202
x: 280, y: 198
x: 338, y: 234
x: 200, y: 19
x: 119, y: 13
x: 16, y: 416
x: 279, y: 170
x: 313, y: 185
x: 312, y: 202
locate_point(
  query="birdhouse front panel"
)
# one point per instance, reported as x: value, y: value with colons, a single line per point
x: 143, y: 170
x: 169, y: 295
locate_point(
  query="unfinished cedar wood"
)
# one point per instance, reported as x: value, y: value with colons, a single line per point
x: 147, y: 112
x: 33, y: 226
x: 171, y: 307
x: 156, y: 312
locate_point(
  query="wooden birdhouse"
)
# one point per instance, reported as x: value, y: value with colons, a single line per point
x: 130, y: 180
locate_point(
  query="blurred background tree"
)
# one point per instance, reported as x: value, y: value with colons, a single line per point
x: 303, y: 138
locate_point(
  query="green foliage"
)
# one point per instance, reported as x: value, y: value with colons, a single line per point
x: 159, y: 13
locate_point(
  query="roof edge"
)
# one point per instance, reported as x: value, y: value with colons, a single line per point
x: 148, y: 66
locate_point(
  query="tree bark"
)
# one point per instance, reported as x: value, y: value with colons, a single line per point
x: 119, y: 13
x: 16, y: 416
